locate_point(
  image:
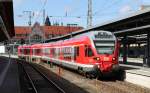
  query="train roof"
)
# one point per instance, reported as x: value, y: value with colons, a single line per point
x: 85, y: 37
x: 91, y: 33
x: 36, y: 45
x: 24, y: 46
x: 71, y: 35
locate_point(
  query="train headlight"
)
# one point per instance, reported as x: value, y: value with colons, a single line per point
x: 114, y: 59
x: 97, y: 58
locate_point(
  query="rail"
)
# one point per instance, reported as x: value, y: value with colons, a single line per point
x: 33, y: 73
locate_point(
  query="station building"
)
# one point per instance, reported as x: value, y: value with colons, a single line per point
x: 37, y: 33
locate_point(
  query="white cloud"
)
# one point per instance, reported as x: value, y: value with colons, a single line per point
x: 125, y: 9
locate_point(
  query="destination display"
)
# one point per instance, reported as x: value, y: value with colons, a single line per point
x: 103, y: 35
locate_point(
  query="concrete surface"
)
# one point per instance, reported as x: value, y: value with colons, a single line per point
x: 138, y: 79
x: 135, y: 60
x: 9, y: 77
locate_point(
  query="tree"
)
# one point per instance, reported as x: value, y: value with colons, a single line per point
x: 47, y: 22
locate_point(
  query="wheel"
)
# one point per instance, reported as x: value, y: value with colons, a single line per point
x: 121, y: 75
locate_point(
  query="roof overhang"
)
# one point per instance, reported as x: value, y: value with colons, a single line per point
x: 136, y: 23
x: 6, y: 20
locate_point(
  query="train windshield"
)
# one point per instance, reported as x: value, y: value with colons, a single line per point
x: 104, y: 47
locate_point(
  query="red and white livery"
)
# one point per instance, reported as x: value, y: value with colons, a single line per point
x: 94, y: 52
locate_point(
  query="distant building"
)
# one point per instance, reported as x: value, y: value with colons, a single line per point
x: 39, y: 33
x: 47, y: 21
x: 142, y: 7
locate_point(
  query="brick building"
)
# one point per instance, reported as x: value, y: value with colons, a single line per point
x: 39, y: 33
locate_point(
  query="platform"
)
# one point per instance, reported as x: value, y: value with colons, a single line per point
x: 12, y: 56
x: 133, y: 61
x: 9, y: 78
x: 137, y: 74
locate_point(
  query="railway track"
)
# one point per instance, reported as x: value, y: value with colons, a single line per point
x: 37, y: 81
x: 102, y: 86
x: 89, y: 85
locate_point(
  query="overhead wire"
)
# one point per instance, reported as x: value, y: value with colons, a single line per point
x: 104, y: 8
x: 41, y: 10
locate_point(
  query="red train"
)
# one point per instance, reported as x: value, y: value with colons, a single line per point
x: 94, y: 53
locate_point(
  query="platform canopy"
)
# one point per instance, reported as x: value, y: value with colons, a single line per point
x: 131, y: 24
x: 134, y: 25
x: 6, y: 20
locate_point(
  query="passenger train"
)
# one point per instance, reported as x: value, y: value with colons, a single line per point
x: 94, y: 53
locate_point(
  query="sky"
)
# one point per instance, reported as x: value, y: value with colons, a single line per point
x: 73, y: 11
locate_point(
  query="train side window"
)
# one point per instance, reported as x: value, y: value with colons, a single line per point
x: 53, y: 52
x: 46, y: 51
x: 88, y: 51
x: 24, y: 51
x: 21, y: 51
x: 37, y: 51
x: 27, y: 51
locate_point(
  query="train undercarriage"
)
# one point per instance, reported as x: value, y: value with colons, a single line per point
x: 117, y: 73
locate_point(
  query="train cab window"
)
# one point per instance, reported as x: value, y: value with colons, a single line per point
x: 88, y: 51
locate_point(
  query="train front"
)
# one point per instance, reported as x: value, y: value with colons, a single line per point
x: 106, y: 49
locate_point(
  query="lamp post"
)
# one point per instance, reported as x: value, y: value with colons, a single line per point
x: 89, y: 14
x: 30, y: 22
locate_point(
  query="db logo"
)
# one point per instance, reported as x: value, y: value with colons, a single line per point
x: 106, y: 58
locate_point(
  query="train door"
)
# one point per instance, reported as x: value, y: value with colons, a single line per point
x: 52, y: 52
x: 76, y: 54
x: 72, y: 51
x: 57, y: 53
x: 31, y: 54
x: 88, y: 54
x: 61, y: 53
x: 80, y: 57
x: 33, y: 51
x: 21, y: 52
